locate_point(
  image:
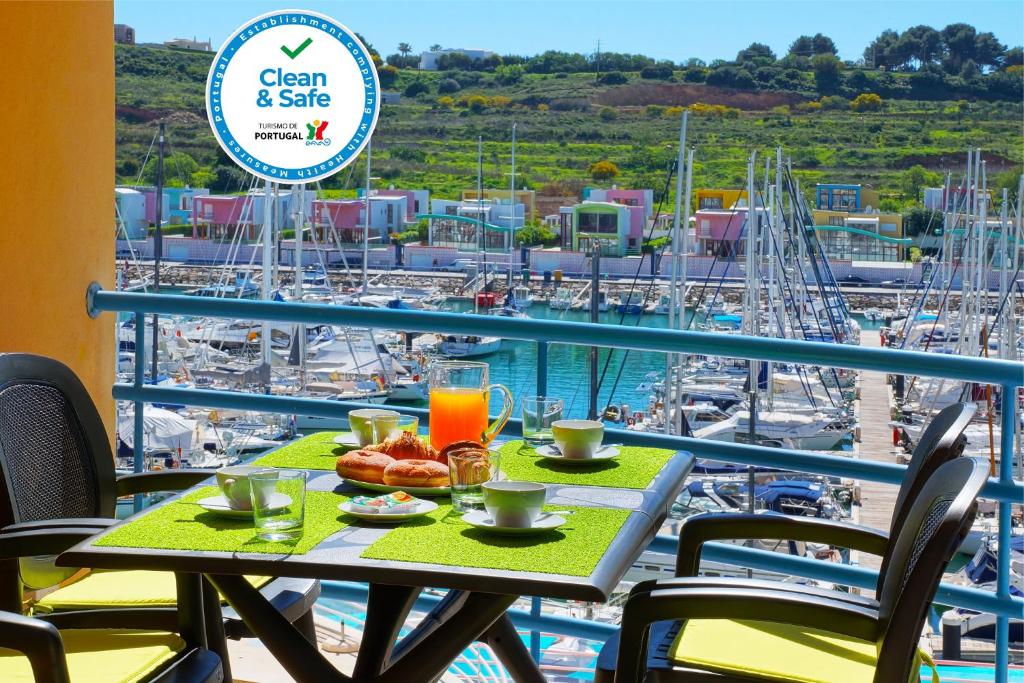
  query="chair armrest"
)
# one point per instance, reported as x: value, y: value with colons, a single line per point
x: 40, y: 642
x: 759, y: 584
x: 97, y: 523
x: 49, y: 541
x: 160, y: 480
x: 699, y: 529
x: 644, y: 609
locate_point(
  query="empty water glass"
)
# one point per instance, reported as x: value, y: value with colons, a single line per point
x: 392, y: 426
x: 539, y: 412
x: 278, y: 503
x: 469, y: 469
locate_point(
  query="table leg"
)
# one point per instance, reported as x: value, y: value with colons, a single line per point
x: 214, y: 622
x: 428, y: 659
x: 191, y: 621
x: 301, y: 659
x: 511, y: 651
x: 451, y: 603
x: 386, y: 610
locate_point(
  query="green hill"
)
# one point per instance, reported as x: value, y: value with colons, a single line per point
x: 569, y: 121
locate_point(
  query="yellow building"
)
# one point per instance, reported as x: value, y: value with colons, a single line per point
x: 528, y: 198
x: 720, y: 199
x: 857, y: 236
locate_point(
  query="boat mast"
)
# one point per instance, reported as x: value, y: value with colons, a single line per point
x: 672, y: 360
x: 366, y: 220
x: 158, y: 247
x: 480, y: 230
x: 512, y: 209
x: 300, y: 225
x: 267, y: 266
x: 681, y: 321
x: 751, y: 313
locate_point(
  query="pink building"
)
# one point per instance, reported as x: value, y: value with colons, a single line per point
x: 216, y: 216
x: 344, y: 214
x: 722, y: 231
x: 631, y: 198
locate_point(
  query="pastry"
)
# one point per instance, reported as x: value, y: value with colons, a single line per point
x: 457, y: 446
x: 363, y: 465
x: 425, y: 473
x: 405, y: 446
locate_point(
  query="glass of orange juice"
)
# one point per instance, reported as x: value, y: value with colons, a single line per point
x: 459, y: 397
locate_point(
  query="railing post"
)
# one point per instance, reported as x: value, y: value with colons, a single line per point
x: 1007, y: 427
x: 542, y: 390
x: 542, y: 368
x: 140, y: 376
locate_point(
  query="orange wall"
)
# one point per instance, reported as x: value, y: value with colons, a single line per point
x: 56, y: 184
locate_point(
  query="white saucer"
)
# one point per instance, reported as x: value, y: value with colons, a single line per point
x: 544, y: 522
x: 347, y: 439
x: 551, y: 452
x: 219, y: 505
x: 423, y: 507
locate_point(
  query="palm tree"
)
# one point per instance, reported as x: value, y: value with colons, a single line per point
x: 435, y: 47
x: 405, y: 49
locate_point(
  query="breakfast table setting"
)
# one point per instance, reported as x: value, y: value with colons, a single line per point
x: 559, y: 514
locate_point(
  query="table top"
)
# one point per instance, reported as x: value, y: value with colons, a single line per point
x: 338, y: 557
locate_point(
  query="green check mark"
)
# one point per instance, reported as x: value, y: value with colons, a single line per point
x: 295, y: 53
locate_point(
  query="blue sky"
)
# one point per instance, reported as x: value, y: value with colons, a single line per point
x: 673, y: 30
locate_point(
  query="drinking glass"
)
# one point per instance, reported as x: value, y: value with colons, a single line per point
x: 469, y: 469
x: 391, y: 426
x: 459, y: 395
x: 538, y: 414
x: 278, y: 503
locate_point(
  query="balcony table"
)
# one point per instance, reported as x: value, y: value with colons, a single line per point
x: 473, y: 609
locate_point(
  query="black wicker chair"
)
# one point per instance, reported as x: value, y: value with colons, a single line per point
x: 941, y: 442
x: 57, y: 471
x: 690, y: 630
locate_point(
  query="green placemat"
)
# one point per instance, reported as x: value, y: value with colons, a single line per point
x: 443, y: 538
x: 183, y: 525
x: 634, y: 468
x: 314, y: 452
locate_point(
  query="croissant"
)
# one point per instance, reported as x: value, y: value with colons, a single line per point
x: 405, y: 446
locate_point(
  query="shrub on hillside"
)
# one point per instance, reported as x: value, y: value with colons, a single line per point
x: 445, y: 101
x: 608, y: 114
x: 603, y: 170
x: 731, y: 77
x: 867, y: 101
x: 448, y: 85
x: 716, y: 110
x: 834, y: 102
x: 656, y: 72
x: 416, y: 88
x: 612, y: 78
x: 697, y: 75
x: 387, y: 76
x: 808, y: 106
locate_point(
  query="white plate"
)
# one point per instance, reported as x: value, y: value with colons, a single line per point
x: 551, y: 452
x: 411, y: 490
x: 347, y: 439
x: 423, y: 507
x: 481, y: 520
x: 219, y: 505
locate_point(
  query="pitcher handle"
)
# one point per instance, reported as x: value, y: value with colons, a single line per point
x: 506, y: 412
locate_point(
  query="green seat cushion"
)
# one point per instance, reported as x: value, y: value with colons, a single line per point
x: 102, y: 656
x: 773, y: 651
x: 136, y: 588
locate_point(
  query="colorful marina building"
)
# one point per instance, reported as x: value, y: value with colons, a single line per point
x: 850, y: 227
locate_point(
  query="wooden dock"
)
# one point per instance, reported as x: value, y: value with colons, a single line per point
x: 877, y: 500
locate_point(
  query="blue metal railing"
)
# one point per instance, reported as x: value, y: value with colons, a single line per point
x: 1008, y: 375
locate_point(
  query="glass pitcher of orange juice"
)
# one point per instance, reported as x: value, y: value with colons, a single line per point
x: 459, y: 396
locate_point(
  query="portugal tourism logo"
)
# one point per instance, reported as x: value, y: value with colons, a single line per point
x: 277, y: 83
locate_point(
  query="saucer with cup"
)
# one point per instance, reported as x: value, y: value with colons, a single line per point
x: 577, y: 441
x: 513, y: 507
x: 235, y: 499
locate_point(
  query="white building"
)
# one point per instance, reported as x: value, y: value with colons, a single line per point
x: 131, y: 214
x: 186, y: 44
x: 429, y: 59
